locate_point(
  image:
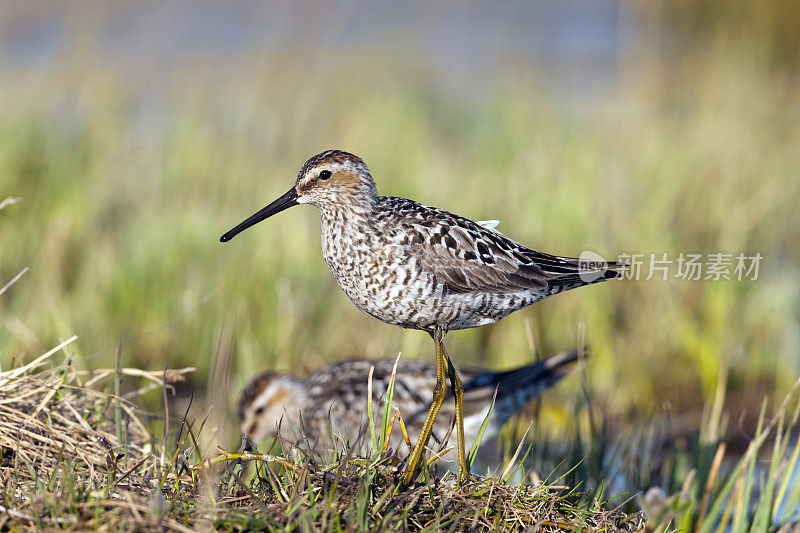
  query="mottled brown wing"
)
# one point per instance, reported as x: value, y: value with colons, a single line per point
x: 468, y: 257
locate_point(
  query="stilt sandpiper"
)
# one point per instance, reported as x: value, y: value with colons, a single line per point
x: 301, y: 407
x: 421, y: 267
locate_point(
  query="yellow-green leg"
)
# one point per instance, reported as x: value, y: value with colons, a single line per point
x: 439, y: 394
x: 458, y: 394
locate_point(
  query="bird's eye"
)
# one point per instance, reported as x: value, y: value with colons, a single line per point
x: 325, y: 174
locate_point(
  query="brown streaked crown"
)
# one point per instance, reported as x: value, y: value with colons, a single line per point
x: 328, y: 157
x: 253, y: 390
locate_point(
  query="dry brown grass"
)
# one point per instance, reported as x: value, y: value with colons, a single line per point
x: 72, y: 452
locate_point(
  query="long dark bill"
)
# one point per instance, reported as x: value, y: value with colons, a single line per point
x: 284, y: 202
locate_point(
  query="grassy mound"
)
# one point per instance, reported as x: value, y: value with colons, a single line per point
x: 75, y: 454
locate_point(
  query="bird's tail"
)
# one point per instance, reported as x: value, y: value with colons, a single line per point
x: 516, y: 388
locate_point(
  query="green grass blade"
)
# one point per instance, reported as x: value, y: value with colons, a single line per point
x: 373, y: 438
x: 508, y: 469
x: 764, y: 507
x: 387, y: 408
x: 117, y: 407
x: 473, y: 451
x: 740, y: 518
x: 790, y: 468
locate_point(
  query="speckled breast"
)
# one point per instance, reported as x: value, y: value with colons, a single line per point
x: 378, y: 278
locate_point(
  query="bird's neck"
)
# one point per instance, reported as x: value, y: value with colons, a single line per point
x: 350, y: 214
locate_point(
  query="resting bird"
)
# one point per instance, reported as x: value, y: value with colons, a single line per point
x: 300, y: 408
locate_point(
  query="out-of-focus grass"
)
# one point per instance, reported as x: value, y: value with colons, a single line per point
x: 122, y: 207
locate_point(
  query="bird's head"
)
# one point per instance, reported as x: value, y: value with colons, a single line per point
x: 330, y: 180
x: 269, y: 401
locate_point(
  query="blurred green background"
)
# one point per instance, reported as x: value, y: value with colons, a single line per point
x: 134, y: 135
